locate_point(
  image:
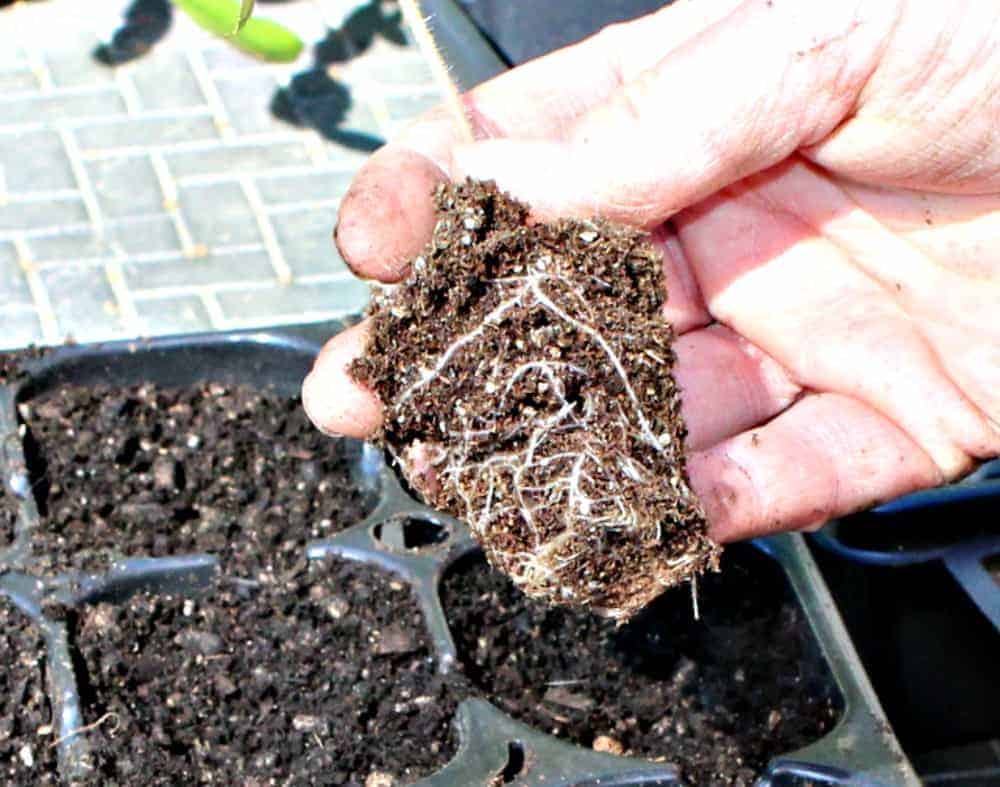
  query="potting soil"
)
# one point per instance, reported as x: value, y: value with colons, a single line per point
x: 145, y: 471
x: 27, y: 736
x: 719, y: 696
x: 325, y: 678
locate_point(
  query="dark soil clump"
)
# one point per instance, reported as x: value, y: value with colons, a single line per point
x: 145, y: 471
x: 324, y: 679
x: 27, y: 756
x: 720, y: 696
x: 526, y: 373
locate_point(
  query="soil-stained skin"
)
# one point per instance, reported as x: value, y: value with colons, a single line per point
x: 324, y: 678
x: 526, y: 373
x: 146, y: 471
x: 720, y: 696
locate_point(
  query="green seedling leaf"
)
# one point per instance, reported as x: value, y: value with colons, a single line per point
x: 260, y: 37
x: 246, y: 11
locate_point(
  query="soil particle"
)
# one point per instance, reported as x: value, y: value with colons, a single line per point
x: 27, y: 756
x: 145, y: 471
x: 607, y: 744
x: 526, y: 372
x: 265, y: 687
x: 720, y: 696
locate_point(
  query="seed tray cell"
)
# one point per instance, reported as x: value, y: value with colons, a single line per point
x: 399, y: 534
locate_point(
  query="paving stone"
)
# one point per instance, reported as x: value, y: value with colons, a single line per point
x: 403, y: 107
x: 83, y: 301
x: 33, y: 161
x: 219, y: 215
x: 77, y: 67
x: 33, y: 215
x: 247, y: 99
x: 123, y: 238
x: 304, y: 187
x: 306, y: 241
x: 17, y: 80
x: 145, y: 132
x: 199, y: 271
x: 13, y: 285
x: 164, y: 80
x: 361, y: 117
x: 80, y: 243
x: 19, y: 327
x: 343, y: 157
x: 60, y: 106
x: 231, y: 159
x: 126, y: 186
x: 184, y: 314
x: 392, y: 66
x: 12, y: 56
x: 227, y: 58
x: 339, y: 297
x: 173, y: 116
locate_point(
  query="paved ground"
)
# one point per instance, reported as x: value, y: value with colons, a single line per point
x: 163, y: 196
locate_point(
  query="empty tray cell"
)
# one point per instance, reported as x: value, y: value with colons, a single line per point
x: 992, y: 564
x: 327, y: 677
x: 719, y: 696
x: 931, y: 653
x: 27, y: 739
x: 150, y: 471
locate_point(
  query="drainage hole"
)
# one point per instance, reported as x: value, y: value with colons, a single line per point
x: 411, y: 533
x: 515, y: 762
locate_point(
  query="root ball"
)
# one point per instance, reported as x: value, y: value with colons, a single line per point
x: 526, y: 374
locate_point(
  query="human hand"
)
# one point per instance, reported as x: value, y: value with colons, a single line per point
x: 824, y: 180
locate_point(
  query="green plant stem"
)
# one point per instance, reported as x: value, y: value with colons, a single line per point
x: 418, y: 25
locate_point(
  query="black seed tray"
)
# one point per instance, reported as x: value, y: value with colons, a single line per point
x: 958, y: 525
x: 404, y: 536
x: 918, y: 583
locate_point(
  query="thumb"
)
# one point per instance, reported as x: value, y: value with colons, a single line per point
x: 740, y: 96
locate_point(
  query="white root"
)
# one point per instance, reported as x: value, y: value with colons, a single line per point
x: 559, y: 477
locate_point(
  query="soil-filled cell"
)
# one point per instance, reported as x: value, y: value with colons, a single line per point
x: 27, y: 750
x: 324, y: 678
x: 145, y: 471
x: 720, y: 696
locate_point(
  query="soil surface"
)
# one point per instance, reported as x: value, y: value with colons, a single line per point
x: 27, y: 756
x: 146, y: 471
x: 720, y: 696
x: 526, y: 372
x: 325, y: 678
x: 993, y: 566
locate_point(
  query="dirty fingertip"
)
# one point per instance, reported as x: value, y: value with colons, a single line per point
x: 387, y: 215
x: 334, y: 402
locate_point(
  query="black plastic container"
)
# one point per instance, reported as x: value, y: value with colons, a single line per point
x: 404, y: 536
x: 912, y: 579
x: 956, y: 525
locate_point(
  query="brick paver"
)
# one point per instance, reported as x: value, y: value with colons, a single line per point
x: 162, y: 196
